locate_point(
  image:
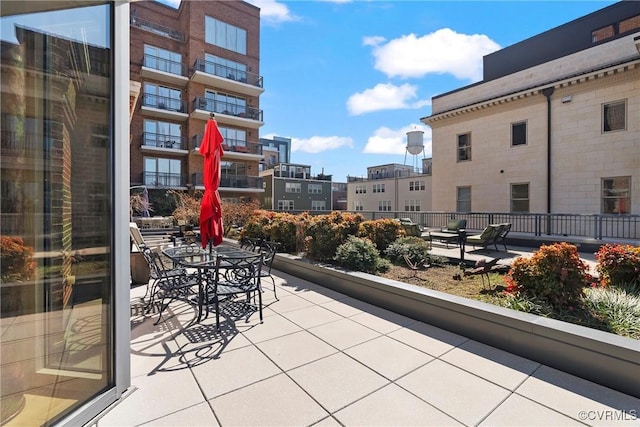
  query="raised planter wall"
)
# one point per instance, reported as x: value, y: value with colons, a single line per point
x: 607, y: 359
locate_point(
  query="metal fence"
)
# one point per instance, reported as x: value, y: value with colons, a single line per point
x: 595, y: 226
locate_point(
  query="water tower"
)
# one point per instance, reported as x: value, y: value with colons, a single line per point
x: 415, y: 146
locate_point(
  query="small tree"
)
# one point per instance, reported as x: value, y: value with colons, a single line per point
x: 187, y: 206
x: 238, y: 214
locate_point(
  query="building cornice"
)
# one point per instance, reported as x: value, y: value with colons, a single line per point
x: 583, y: 77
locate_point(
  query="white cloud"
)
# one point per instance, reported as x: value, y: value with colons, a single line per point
x: 443, y: 51
x: 385, y: 96
x: 272, y: 11
x: 317, y: 144
x: 394, y: 141
x: 373, y: 40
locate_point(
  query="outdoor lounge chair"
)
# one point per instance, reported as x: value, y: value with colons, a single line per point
x: 448, y: 234
x: 502, y: 236
x: 454, y: 226
x: 487, y: 237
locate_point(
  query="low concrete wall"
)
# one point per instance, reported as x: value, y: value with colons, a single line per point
x: 607, y: 359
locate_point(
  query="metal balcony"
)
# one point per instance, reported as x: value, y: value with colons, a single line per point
x: 164, y: 70
x: 165, y: 180
x: 227, y: 78
x: 152, y: 27
x: 227, y: 113
x: 232, y: 183
x: 164, y: 107
x: 162, y: 141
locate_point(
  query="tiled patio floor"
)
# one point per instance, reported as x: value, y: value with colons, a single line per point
x: 322, y: 358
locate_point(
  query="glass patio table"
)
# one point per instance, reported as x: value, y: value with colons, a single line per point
x: 194, y: 256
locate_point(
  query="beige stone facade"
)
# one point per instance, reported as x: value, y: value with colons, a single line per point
x: 568, y: 164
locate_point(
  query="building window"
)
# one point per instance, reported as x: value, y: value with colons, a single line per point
x: 292, y: 187
x: 602, y: 33
x: 285, y: 205
x: 518, y: 133
x: 378, y: 188
x: 357, y: 205
x: 616, y: 195
x: 162, y: 97
x: 629, y: 24
x: 614, y: 116
x: 225, y: 35
x: 226, y: 104
x: 463, y: 199
x: 314, y: 189
x: 412, y: 205
x: 225, y: 68
x: 162, y: 60
x: 361, y: 189
x: 464, y: 147
x: 318, y: 205
x: 416, y: 185
x: 519, y: 197
x: 162, y: 134
x: 234, y: 137
x: 384, y: 205
x: 159, y: 172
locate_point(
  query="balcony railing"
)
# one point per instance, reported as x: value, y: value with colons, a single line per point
x: 14, y: 144
x: 235, y: 181
x: 159, y: 140
x: 233, y: 145
x: 161, y: 179
x: 143, y: 24
x: 164, y: 103
x: 227, y: 72
x: 166, y: 65
x: 214, y: 106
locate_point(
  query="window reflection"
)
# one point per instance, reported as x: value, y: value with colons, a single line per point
x: 55, y: 282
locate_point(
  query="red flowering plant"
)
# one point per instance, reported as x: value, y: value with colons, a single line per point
x: 618, y: 264
x: 16, y: 259
x: 554, y: 273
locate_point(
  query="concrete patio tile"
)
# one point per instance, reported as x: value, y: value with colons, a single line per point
x: 520, y: 411
x: 291, y: 351
x: 393, y: 406
x: 505, y: 369
x: 232, y: 370
x: 570, y: 395
x: 320, y: 295
x: 274, y: 326
x: 276, y: 401
x: 289, y: 303
x: 327, y: 422
x: 388, y: 357
x: 343, y: 307
x: 336, y: 381
x: 381, y: 320
x: 461, y: 395
x: 199, y: 415
x: 311, y: 316
x: 427, y: 338
x: 156, y: 396
x: 343, y: 333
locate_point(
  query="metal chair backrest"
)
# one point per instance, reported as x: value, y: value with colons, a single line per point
x: 238, y: 275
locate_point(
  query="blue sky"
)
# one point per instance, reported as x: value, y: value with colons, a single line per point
x: 347, y: 79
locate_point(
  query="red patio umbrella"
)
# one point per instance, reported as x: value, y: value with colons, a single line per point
x: 210, y: 208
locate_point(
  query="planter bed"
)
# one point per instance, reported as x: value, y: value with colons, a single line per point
x: 607, y: 359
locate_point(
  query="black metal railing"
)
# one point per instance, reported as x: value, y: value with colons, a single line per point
x: 161, y: 179
x: 393, y: 174
x: 236, y: 145
x: 164, y: 103
x: 231, y: 181
x: 220, y: 107
x: 152, y: 27
x: 164, y: 141
x: 227, y: 72
x: 21, y: 144
x: 163, y: 64
x: 595, y: 226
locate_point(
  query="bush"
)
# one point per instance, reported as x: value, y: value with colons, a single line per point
x: 618, y: 264
x: 414, y: 247
x: 16, y: 259
x: 619, y: 307
x: 555, y: 273
x: 382, y: 232
x: 327, y: 232
x: 360, y: 254
x: 282, y: 229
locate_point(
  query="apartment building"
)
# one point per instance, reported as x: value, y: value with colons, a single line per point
x: 193, y: 62
x: 275, y: 150
x: 292, y: 187
x: 553, y: 127
x: 391, y: 187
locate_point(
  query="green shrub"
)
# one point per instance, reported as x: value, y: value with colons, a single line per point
x: 414, y: 247
x: 555, y: 273
x: 360, y: 254
x: 618, y: 264
x: 382, y: 232
x: 256, y: 225
x: 326, y: 232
